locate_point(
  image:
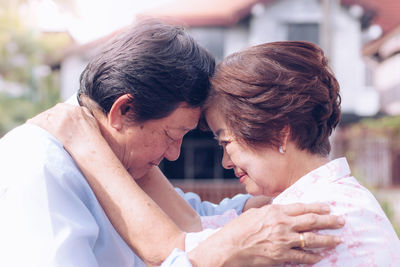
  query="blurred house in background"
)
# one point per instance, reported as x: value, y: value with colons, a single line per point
x: 374, y: 146
x: 75, y: 59
x: 383, y: 54
x: 360, y: 37
x: 226, y: 26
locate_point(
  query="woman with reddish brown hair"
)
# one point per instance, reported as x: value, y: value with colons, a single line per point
x: 272, y: 109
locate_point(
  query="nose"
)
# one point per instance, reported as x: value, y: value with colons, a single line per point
x: 173, y: 151
x: 226, y: 161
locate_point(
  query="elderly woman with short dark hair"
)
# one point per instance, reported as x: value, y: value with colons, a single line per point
x: 272, y: 109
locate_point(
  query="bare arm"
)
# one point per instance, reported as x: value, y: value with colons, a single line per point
x: 269, y: 236
x: 135, y: 216
x: 79, y: 133
x: 259, y: 237
x: 156, y: 185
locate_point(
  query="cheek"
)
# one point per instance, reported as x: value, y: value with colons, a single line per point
x: 276, y: 179
x: 239, y: 157
x: 264, y: 171
x: 157, y: 149
x: 153, y: 145
x: 260, y: 173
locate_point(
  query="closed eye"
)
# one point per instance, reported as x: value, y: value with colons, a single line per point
x: 169, y: 136
x: 223, y: 143
x: 172, y: 139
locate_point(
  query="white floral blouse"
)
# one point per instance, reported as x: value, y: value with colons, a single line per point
x: 368, y: 238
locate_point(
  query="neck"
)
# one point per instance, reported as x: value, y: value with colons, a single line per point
x: 302, y: 162
x: 106, y: 131
x: 102, y: 121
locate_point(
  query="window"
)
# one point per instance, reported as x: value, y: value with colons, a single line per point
x: 200, y: 159
x: 303, y: 32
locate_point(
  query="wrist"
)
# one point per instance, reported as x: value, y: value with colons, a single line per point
x: 218, y: 250
x: 204, y: 258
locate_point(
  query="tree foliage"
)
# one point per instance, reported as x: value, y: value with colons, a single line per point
x: 28, y: 81
x: 387, y: 126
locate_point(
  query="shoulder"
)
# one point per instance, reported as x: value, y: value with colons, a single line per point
x: 26, y: 140
x: 30, y: 157
x: 368, y: 235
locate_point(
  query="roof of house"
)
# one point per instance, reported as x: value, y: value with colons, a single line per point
x: 188, y: 13
x: 385, y: 46
x: 385, y: 12
x: 204, y: 12
x: 228, y: 12
x: 92, y: 45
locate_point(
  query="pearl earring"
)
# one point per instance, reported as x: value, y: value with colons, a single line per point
x: 281, y: 150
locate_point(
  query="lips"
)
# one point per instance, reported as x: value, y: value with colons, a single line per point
x: 156, y: 162
x: 242, y: 176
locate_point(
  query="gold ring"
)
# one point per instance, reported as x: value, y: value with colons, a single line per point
x: 302, y: 241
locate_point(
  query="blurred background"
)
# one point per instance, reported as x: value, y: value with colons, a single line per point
x: 45, y: 44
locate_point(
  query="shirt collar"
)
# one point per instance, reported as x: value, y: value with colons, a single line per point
x: 327, y: 173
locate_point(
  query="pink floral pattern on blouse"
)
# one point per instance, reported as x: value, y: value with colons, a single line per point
x: 217, y: 221
x: 211, y: 225
x: 368, y: 238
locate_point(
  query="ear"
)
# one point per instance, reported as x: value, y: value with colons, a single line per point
x: 285, y: 133
x: 119, y: 110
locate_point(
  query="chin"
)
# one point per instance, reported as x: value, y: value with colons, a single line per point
x: 142, y: 172
x: 254, y: 191
x: 138, y: 174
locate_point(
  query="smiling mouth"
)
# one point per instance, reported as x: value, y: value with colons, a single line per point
x: 242, y: 176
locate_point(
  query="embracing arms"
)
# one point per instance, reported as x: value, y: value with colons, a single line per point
x: 156, y: 186
x: 264, y: 236
x: 136, y: 217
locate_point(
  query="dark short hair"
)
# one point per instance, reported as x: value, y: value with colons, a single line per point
x: 262, y: 90
x: 158, y: 64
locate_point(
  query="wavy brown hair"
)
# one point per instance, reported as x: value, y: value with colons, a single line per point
x: 268, y: 87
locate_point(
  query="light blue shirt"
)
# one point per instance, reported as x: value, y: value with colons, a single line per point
x: 205, y: 208
x: 50, y: 215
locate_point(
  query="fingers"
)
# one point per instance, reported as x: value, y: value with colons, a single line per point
x: 87, y: 112
x: 59, y: 120
x: 302, y: 257
x: 40, y: 119
x: 301, y: 208
x: 308, y: 222
x: 313, y: 240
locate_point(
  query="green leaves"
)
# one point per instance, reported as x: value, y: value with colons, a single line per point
x: 28, y: 81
